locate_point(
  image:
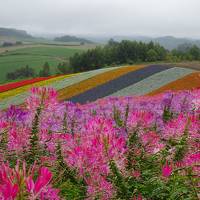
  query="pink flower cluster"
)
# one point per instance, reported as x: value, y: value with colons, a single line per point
x: 18, y: 182
x: 98, y: 133
x: 99, y: 137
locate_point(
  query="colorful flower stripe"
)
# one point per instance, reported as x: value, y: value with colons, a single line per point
x: 15, y: 85
x: 88, y: 84
x: 117, y: 84
x: 78, y: 78
x: 154, y: 82
x: 57, y: 84
x: 63, y: 81
x: 27, y: 87
x: 188, y: 82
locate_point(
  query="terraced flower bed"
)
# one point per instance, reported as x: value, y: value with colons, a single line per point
x: 79, y: 77
x: 188, y: 82
x: 114, y: 81
x: 153, y: 82
x: 115, y: 148
x: 25, y: 88
x: 90, y: 83
x: 16, y: 97
x: 138, y: 82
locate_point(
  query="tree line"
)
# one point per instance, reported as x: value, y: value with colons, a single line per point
x: 129, y: 52
x: 112, y: 54
x: 28, y: 72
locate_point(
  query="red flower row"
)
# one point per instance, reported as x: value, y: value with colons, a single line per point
x: 10, y: 86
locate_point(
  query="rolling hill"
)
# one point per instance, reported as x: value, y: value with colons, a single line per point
x: 68, y: 38
x: 15, y: 33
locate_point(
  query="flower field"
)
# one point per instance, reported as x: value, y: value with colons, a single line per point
x: 95, y: 81
x: 27, y: 86
x: 137, y: 148
x: 17, y: 96
x: 154, y: 82
x: 113, y: 81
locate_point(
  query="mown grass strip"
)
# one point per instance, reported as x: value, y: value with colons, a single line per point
x: 153, y: 82
x: 188, y: 82
x: 117, y: 84
x: 95, y: 81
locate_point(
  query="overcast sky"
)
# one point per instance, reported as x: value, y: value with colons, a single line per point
x: 104, y: 17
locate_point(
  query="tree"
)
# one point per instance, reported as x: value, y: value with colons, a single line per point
x: 152, y: 55
x: 64, y: 68
x: 23, y: 72
x: 112, y: 42
x: 115, y: 53
x: 45, y: 72
x: 195, y: 52
x: 27, y: 71
x: 10, y: 76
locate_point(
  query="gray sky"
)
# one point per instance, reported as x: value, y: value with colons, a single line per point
x: 104, y: 17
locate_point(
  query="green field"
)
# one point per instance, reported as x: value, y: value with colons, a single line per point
x: 35, y: 57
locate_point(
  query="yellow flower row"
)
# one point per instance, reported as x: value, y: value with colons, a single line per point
x: 25, y: 88
x: 97, y: 80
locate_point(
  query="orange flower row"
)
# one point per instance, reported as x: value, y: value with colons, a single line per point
x: 188, y: 82
x: 95, y: 81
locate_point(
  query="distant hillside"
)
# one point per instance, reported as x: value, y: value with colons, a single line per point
x: 68, y: 38
x: 169, y: 42
x: 14, y: 33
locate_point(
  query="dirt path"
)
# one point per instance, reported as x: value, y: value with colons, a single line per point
x: 191, y: 65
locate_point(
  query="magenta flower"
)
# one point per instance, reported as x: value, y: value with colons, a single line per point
x: 8, y: 191
x: 41, y: 182
x: 166, y: 170
x: 43, y: 179
x: 90, y: 138
x: 12, y: 183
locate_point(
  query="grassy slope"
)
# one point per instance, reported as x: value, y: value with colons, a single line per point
x: 34, y: 56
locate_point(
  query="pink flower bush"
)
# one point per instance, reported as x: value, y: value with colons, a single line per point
x: 152, y: 142
x: 18, y: 183
x: 101, y: 139
x: 113, y: 148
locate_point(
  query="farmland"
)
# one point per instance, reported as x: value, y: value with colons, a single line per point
x: 35, y: 56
